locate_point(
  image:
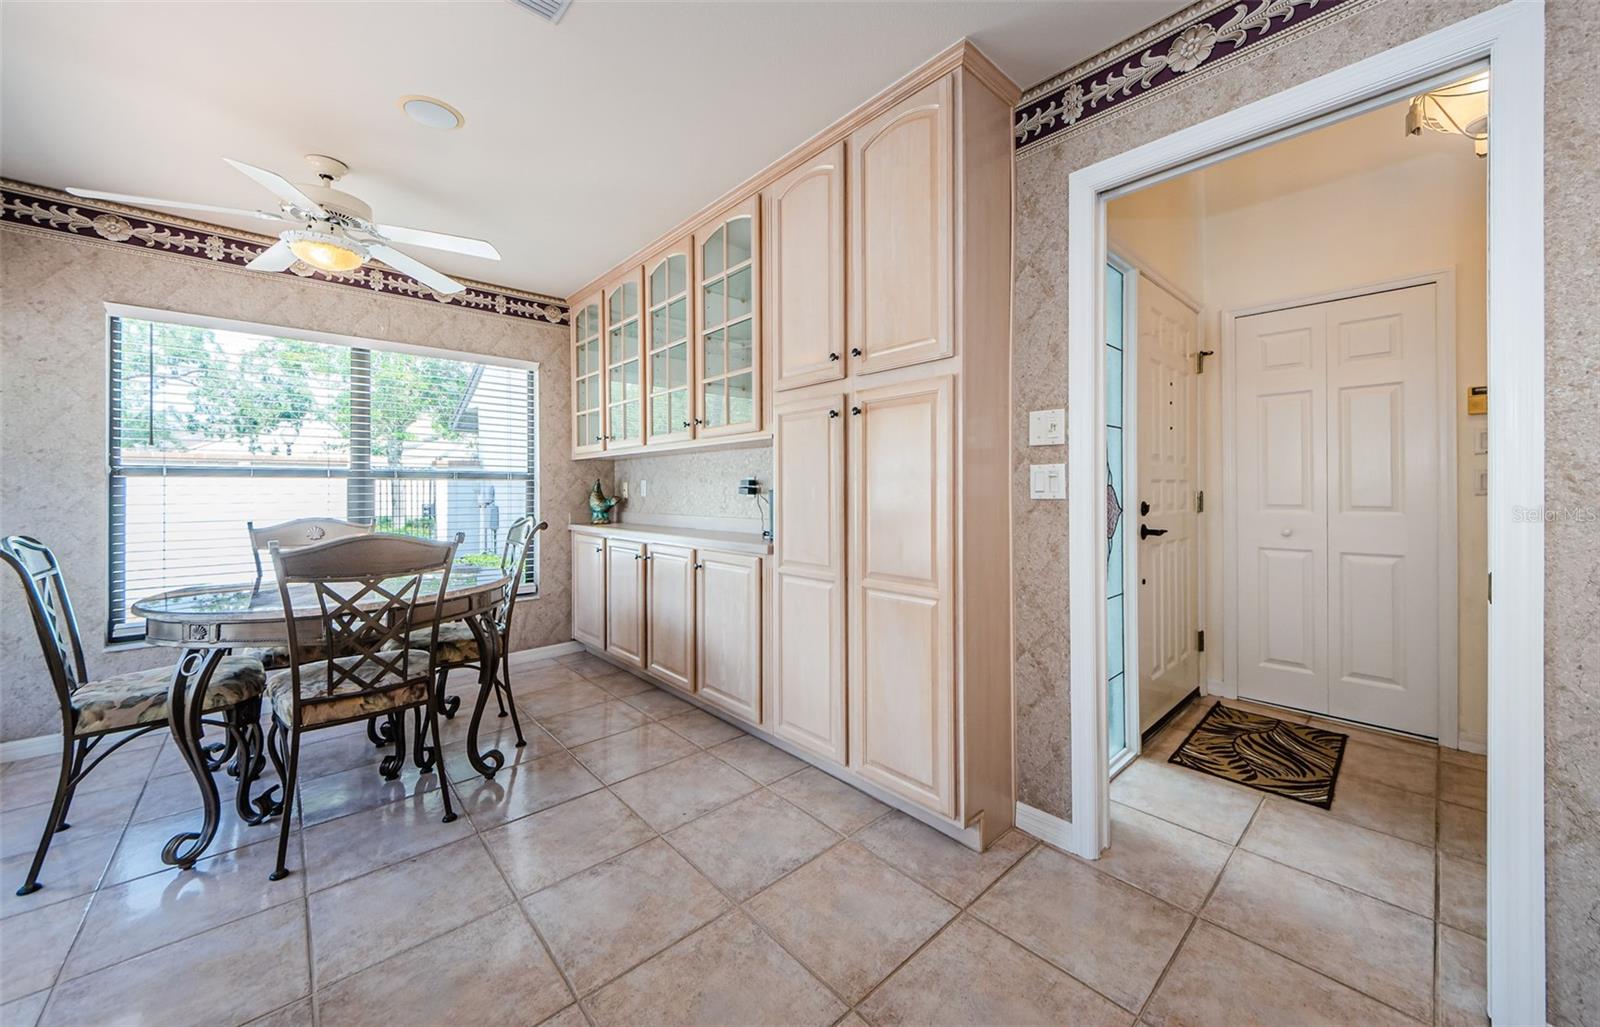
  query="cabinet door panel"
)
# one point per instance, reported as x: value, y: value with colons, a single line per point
x: 902, y: 688
x: 728, y: 323
x: 588, y: 370
x: 901, y: 185
x: 625, y: 629
x: 624, y: 362
x: 669, y: 612
x: 669, y: 343
x: 808, y: 694
x: 728, y: 633
x: 804, y: 217
x: 589, y: 590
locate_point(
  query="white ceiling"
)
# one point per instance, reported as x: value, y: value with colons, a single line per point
x: 583, y: 141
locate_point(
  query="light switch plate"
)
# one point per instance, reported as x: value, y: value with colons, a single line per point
x: 1047, y: 481
x: 1047, y: 427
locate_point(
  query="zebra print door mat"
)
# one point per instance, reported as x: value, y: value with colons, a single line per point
x: 1272, y: 755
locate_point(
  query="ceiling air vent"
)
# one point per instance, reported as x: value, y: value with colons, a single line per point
x: 549, y: 10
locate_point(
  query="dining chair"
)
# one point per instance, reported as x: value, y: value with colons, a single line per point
x: 123, y: 706
x: 302, y: 531
x: 364, y: 592
x: 457, y: 646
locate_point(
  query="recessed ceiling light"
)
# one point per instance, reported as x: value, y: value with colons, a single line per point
x: 427, y: 111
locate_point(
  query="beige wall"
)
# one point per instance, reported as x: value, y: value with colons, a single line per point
x: 695, y: 487
x: 1572, y: 416
x: 53, y: 409
x: 1349, y: 205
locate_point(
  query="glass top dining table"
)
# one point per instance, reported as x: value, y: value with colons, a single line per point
x: 209, y: 621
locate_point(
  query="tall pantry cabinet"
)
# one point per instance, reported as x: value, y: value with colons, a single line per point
x: 888, y: 263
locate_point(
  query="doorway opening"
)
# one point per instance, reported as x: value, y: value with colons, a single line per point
x: 1509, y: 41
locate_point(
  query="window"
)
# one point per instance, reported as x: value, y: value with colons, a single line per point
x: 214, y: 426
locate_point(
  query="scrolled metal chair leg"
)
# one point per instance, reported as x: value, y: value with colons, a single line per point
x: 293, y: 765
x: 391, y: 765
x: 58, y: 811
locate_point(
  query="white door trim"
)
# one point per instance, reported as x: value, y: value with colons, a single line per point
x: 1444, y: 282
x: 1512, y: 38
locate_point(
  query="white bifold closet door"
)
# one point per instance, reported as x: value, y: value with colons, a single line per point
x: 1337, y: 500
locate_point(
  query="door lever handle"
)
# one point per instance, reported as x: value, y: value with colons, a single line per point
x: 1145, y: 531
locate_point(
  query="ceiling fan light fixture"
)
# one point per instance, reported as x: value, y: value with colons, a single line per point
x: 325, y: 251
x: 432, y: 113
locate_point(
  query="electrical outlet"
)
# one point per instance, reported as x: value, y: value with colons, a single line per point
x: 1047, y: 427
x: 624, y: 490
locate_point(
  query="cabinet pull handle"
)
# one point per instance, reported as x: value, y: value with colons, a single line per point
x: 687, y: 423
x: 599, y: 549
x: 833, y: 356
x: 638, y: 556
x: 699, y: 566
x: 856, y: 411
x: 833, y: 413
x: 855, y: 351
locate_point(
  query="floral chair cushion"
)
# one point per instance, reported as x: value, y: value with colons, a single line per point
x: 276, y: 657
x: 348, y: 700
x: 140, y: 697
x: 457, y: 646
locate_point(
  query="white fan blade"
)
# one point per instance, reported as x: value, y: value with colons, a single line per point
x: 415, y: 268
x: 440, y: 241
x: 278, y: 186
x: 151, y: 201
x: 274, y: 258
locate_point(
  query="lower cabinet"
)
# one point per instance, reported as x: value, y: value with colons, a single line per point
x: 589, y: 589
x: 624, y: 604
x: 728, y: 632
x: 669, y: 614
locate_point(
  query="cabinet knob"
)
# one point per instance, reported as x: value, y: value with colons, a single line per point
x: 687, y: 423
x: 699, y: 566
x: 638, y: 556
x: 855, y: 351
x: 856, y: 411
x: 833, y: 413
x: 833, y: 356
x: 599, y: 549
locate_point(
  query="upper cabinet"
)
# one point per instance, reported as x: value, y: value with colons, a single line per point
x: 804, y: 217
x: 588, y: 426
x: 728, y: 389
x: 901, y: 247
x: 669, y: 408
x: 624, y: 382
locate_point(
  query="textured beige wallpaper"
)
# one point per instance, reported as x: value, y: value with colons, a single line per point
x: 1572, y: 606
x: 53, y: 410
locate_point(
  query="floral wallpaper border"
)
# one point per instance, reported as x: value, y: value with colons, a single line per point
x: 1200, y: 37
x: 39, y: 209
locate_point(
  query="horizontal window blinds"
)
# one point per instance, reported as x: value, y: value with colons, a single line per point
x: 213, y: 429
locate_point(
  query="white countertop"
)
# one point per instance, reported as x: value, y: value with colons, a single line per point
x: 700, y: 538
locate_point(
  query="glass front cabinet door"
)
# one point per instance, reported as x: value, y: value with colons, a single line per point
x: 624, y: 356
x: 669, y: 402
x: 728, y: 378
x: 588, y: 429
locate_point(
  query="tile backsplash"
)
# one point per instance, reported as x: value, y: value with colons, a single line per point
x: 697, y: 487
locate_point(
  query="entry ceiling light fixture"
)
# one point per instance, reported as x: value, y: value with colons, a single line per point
x: 431, y: 113
x: 1460, y: 108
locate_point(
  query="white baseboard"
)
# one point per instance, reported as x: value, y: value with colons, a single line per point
x: 545, y: 652
x: 1046, y: 827
x: 27, y: 748
x: 1469, y: 741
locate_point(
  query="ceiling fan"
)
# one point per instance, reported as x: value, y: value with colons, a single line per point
x: 332, y: 230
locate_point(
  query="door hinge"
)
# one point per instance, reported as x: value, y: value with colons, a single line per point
x: 1200, y: 360
x: 1200, y: 501
x: 1200, y: 642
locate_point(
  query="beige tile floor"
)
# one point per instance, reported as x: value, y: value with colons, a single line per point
x: 643, y: 863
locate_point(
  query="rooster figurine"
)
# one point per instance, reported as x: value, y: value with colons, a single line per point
x: 599, y: 505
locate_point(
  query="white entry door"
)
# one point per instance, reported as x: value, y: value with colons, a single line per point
x: 1337, y: 507
x: 1165, y: 526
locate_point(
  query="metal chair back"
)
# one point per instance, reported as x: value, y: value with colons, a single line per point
x: 367, y: 590
x: 514, y: 561
x: 53, y: 616
x: 300, y: 532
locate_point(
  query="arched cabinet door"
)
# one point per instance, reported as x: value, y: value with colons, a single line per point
x: 669, y: 345
x: 728, y: 378
x: 624, y: 362
x: 803, y: 214
x: 588, y: 370
x: 901, y: 243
